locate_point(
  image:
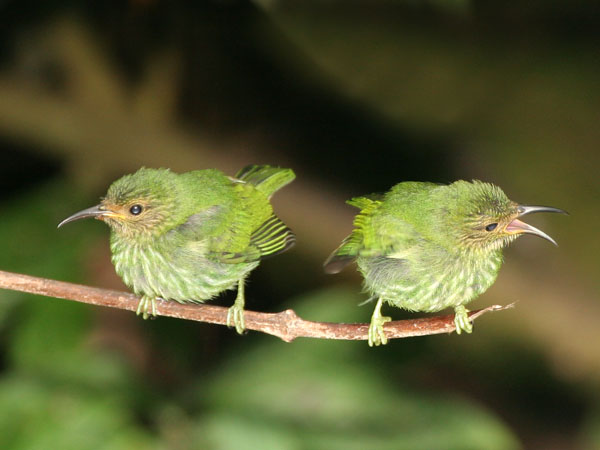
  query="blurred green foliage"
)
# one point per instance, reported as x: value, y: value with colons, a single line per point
x: 38, y: 413
x: 56, y: 391
x: 591, y: 431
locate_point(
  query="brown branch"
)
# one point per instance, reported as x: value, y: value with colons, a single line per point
x: 286, y: 325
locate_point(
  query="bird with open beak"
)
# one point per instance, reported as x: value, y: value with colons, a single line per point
x: 427, y: 247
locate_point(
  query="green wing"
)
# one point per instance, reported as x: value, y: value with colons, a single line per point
x: 198, y: 233
x: 376, y: 233
x: 240, y: 225
x: 271, y: 238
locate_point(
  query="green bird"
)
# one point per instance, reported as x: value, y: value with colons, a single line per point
x: 188, y: 237
x: 427, y: 247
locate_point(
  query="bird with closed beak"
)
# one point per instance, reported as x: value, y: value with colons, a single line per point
x: 188, y: 237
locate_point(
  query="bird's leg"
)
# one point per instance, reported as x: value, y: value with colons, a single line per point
x: 461, y: 320
x: 376, y: 333
x: 146, y: 307
x: 236, y: 312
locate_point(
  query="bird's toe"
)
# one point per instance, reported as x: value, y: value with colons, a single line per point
x: 461, y: 320
x: 376, y: 333
x: 146, y: 307
x: 235, y: 318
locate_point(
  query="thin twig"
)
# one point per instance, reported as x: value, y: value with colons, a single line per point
x: 286, y: 325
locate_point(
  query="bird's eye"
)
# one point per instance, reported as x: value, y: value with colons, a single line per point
x: 135, y: 209
x: 491, y: 227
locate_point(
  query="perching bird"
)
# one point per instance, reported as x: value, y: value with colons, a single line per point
x: 187, y: 237
x: 426, y: 247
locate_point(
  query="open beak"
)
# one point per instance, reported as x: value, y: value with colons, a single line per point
x: 518, y: 227
x: 95, y: 211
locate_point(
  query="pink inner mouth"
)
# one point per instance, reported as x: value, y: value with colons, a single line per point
x: 516, y: 226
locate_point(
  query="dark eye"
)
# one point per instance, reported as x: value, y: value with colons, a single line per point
x: 491, y: 227
x: 135, y: 209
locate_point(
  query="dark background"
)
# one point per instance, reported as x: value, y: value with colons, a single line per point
x: 355, y: 96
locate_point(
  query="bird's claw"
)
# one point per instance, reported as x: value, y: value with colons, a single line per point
x: 461, y: 320
x: 376, y: 334
x: 146, y: 307
x: 235, y: 315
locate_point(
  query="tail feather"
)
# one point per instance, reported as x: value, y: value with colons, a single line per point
x: 353, y: 245
x: 366, y: 202
x: 336, y: 263
x: 341, y: 257
x: 267, y: 179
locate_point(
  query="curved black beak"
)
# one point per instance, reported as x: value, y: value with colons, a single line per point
x: 94, y: 211
x: 524, y: 210
x: 517, y: 227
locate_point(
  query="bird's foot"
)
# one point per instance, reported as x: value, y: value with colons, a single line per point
x: 235, y: 314
x: 461, y: 320
x: 376, y: 334
x: 235, y: 317
x: 146, y: 307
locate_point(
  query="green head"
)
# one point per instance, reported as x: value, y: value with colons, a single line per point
x: 487, y: 219
x: 137, y: 206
